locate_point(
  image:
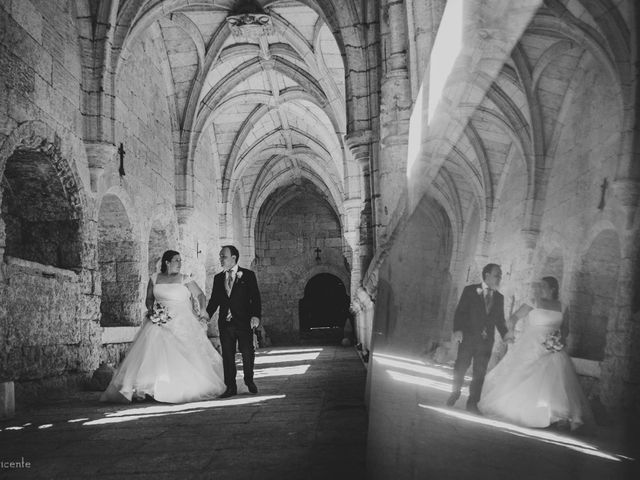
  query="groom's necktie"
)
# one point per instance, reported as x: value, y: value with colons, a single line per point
x: 487, y: 300
x: 229, y: 282
x: 228, y: 285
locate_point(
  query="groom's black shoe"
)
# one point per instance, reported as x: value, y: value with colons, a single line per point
x: 453, y: 398
x: 473, y: 408
x: 229, y: 392
x: 252, y: 387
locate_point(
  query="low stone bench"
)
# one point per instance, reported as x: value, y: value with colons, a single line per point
x: 7, y: 400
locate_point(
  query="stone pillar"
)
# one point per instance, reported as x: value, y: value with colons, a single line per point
x: 359, y: 143
x: 395, y: 111
x: 353, y: 207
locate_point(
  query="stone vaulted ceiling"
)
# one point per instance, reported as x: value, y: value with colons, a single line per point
x: 269, y: 97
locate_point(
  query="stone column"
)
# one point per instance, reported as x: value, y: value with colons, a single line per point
x: 395, y: 111
x: 353, y: 207
x: 359, y: 144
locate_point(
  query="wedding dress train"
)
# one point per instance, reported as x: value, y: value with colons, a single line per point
x: 173, y: 362
x: 533, y: 386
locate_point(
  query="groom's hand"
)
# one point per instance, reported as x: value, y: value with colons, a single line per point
x: 457, y: 336
x: 255, y: 321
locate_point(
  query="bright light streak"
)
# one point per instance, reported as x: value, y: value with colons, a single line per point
x: 162, y: 410
x: 415, y: 131
x: 542, y: 435
x: 299, y: 350
x: 446, y: 49
x: 106, y: 421
x: 395, y: 357
x: 75, y: 420
x: 424, y: 382
x: 189, y: 406
x: 281, y: 371
x: 14, y: 428
x: 301, y: 357
x: 434, y: 372
x: 409, y: 364
x: 46, y: 425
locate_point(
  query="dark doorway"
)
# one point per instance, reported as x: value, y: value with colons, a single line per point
x: 324, y: 308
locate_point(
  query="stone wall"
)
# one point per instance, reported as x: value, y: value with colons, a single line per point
x: 285, y: 262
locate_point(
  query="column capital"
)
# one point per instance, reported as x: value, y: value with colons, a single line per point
x: 358, y: 143
x: 99, y: 154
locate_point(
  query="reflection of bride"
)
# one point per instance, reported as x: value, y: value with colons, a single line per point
x: 172, y: 362
x: 536, y: 385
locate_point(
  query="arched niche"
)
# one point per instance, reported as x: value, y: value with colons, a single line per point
x: 119, y: 265
x: 41, y: 209
x: 593, y: 296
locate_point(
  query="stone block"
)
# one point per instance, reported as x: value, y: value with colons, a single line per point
x: 7, y: 400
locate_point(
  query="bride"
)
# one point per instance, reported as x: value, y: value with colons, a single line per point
x: 170, y: 358
x: 535, y: 384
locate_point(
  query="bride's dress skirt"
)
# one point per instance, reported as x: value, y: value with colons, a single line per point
x: 174, y: 362
x: 532, y: 386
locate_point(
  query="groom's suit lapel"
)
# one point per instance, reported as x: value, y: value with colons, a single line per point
x: 479, y: 301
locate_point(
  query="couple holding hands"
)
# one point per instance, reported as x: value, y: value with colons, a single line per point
x: 535, y: 383
x: 171, y: 359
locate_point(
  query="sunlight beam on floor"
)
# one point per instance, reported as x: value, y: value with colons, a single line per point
x: 297, y: 350
x: 170, y: 408
x: 281, y: 371
x: 540, y: 435
x: 300, y: 357
x: 421, y: 381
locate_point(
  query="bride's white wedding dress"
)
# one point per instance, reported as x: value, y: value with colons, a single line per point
x: 173, y: 362
x: 532, y: 386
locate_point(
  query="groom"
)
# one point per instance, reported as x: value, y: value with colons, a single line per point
x: 479, y: 312
x: 235, y: 291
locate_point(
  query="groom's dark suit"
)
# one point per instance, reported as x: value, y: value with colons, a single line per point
x: 234, y: 321
x: 477, y: 324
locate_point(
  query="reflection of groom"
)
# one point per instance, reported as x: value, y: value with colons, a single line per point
x: 235, y: 291
x: 479, y: 312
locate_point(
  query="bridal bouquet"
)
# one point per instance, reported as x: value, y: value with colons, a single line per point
x: 159, y: 314
x: 553, y: 342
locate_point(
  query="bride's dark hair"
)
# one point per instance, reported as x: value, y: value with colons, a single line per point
x: 167, y: 257
x: 553, y: 285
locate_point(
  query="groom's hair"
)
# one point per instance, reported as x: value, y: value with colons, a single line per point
x: 488, y: 268
x: 233, y: 251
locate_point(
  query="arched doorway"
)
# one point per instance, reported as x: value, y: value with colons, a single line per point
x: 324, y: 308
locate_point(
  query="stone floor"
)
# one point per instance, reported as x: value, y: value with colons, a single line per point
x: 413, y: 435
x: 307, y: 421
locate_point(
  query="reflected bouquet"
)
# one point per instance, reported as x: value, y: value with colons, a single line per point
x: 553, y: 341
x: 159, y: 314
